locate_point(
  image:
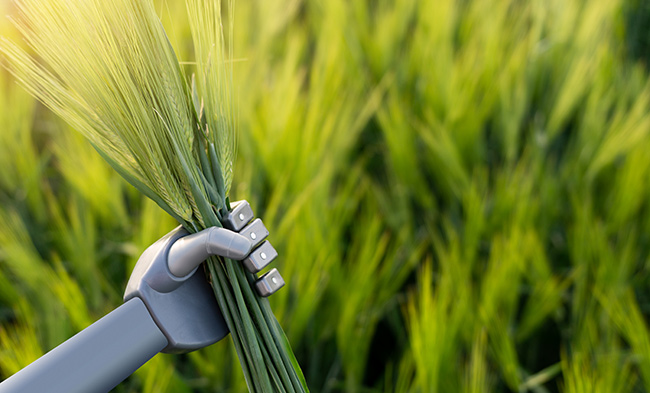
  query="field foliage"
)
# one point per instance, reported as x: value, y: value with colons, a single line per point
x: 459, y: 191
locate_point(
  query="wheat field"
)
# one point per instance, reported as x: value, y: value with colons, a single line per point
x: 458, y: 190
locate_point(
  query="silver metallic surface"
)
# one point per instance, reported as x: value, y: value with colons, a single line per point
x: 260, y: 258
x: 269, y: 283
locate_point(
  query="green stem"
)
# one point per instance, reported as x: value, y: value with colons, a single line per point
x: 221, y: 288
x: 270, y: 341
x: 249, y: 329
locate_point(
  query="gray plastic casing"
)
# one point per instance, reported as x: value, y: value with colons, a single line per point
x: 185, y: 309
x: 96, y: 359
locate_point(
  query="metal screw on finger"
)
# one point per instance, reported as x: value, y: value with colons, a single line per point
x: 240, y: 215
x: 260, y: 257
x: 256, y: 232
x: 269, y: 283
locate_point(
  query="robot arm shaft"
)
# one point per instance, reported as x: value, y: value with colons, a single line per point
x: 97, y: 358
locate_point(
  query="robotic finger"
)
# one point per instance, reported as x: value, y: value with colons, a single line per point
x: 263, y: 252
x: 236, y: 243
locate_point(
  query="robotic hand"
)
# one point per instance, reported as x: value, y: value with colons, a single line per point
x: 169, y: 307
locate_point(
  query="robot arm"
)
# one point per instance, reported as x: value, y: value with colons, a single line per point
x: 169, y: 307
x: 97, y: 358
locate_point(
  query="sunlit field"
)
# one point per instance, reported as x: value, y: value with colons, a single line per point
x: 458, y: 190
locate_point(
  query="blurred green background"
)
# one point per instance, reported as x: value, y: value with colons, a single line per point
x: 459, y: 191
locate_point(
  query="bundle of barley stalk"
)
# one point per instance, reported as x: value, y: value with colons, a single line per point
x: 107, y: 68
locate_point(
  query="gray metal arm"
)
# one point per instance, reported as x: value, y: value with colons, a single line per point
x: 169, y: 307
x: 96, y: 359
